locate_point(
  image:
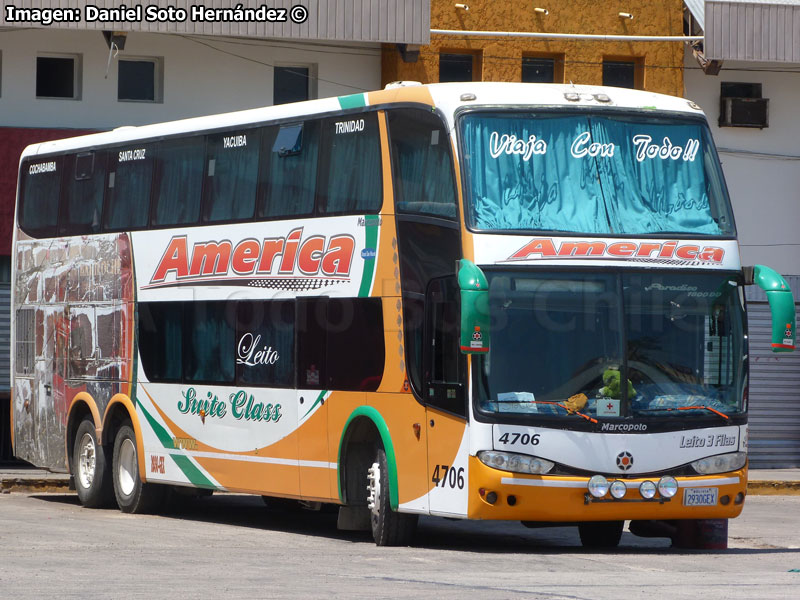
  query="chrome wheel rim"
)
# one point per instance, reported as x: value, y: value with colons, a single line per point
x: 87, y: 461
x: 374, y: 489
x: 127, y: 467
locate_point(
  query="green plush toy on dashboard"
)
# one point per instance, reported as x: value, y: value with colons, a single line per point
x: 611, y: 379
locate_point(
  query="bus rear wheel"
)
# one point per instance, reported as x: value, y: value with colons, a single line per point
x: 90, y: 468
x: 389, y: 528
x: 133, y: 495
x: 603, y: 534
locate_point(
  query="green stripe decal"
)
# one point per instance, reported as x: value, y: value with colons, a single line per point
x: 371, y: 224
x: 193, y: 474
x: 354, y: 101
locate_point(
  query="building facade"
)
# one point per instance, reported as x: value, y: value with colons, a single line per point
x: 748, y: 81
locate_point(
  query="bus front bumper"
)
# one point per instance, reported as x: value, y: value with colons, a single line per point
x: 504, y: 495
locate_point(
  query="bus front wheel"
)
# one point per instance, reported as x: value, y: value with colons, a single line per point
x: 602, y: 534
x: 90, y: 468
x: 389, y: 528
x: 133, y: 495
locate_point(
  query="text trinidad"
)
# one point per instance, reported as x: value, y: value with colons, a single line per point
x: 315, y: 255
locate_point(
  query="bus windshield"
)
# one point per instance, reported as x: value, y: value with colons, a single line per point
x: 592, y: 174
x: 637, y: 344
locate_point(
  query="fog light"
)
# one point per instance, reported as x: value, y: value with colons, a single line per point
x: 725, y: 500
x: 598, y: 486
x: 647, y: 489
x: 491, y: 497
x: 739, y: 498
x: 667, y: 486
x: 618, y: 489
x: 512, y: 500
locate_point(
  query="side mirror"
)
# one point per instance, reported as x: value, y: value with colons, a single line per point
x: 781, y: 305
x: 474, y: 308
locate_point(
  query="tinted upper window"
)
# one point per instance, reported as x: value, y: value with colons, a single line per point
x: 289, y: 170
x: 231, y: 175
x: 423, y: 166
x: 82, y: 197
x: 265, y: 343
x: 351, y: 174
x: 130, y: 175
x: 40, y: 193
x: 179, y: 181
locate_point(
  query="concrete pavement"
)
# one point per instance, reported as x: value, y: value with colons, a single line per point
x: 25, y: 478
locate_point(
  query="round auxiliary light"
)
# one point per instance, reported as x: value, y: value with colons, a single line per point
x: 647, y: 489
x: 618, y: 489
x: 598, y: 486
x: 667, y: 486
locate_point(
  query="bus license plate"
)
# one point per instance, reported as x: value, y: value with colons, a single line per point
x: 700, y: 496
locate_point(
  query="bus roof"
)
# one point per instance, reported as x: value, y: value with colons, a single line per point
x: 448, y: 97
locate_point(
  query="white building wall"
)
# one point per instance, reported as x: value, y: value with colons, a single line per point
x: 765, y: 190
x: 198, y: 79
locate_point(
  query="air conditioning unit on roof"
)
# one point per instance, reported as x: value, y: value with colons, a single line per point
x: 744, y: 112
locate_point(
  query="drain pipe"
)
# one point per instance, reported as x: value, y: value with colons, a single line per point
x: 570, y: 36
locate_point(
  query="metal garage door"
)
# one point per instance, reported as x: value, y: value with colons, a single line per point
x: 774, y: 390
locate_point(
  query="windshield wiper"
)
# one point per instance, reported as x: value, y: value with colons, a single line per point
x: 700, y: 407
x: 566, y: 407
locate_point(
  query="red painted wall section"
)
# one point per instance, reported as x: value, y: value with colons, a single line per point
x: 12, y: 142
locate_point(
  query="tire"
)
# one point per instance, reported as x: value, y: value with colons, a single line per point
x: 91, y: 468
x: 603, y: 534
x: 133, y: 495
x: 389, y: 528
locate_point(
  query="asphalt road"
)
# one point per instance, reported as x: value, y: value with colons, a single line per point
x: 231, y: 546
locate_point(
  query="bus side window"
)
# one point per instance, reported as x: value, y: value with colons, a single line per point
x: 231, y: 176
x: 288, y: 175
x: 208, y: 341
x: 446, y: 366
x: 82, y: 193
x: 178, y: 181
x: 160, y: 340
x: 265, y: 343
x: 350, y: 172
x: 40, y: 196
x: 340, y: 344
x: 130, y: 176
x: 422, y: 163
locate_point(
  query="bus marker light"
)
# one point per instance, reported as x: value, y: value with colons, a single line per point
x: 618, y: 489
x: 482, y: 491
x: 647, y: 489
x: 598, y: 486
x: 667, y: 486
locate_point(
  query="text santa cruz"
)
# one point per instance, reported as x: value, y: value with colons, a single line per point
x: 291, y: 254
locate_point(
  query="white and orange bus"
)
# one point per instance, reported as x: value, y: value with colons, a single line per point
x: 478, y: 300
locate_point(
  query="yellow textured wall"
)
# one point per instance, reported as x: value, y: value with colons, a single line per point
x: 501, y: 58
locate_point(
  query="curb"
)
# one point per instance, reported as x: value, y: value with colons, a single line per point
x: 61, y: 485
x: 773, y: 488
x: 27, y: 485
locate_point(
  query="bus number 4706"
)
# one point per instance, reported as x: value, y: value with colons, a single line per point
x: 522, y: 438
x: 447, y: 476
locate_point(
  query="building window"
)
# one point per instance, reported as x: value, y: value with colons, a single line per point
x: 139, y: 80
x: 58, y: 77
x: 457, y: 67
x: 293, y: 83
x: 538, y: 70
x: 624, y: 72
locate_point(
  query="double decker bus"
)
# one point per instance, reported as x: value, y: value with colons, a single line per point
x: 478, y: 301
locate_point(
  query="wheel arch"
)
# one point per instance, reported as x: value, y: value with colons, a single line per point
x: 82, y: 406
x: 365, y: 424
x: 120, y: 409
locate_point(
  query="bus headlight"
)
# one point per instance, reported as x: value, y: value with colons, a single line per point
x: 721, y: 463
x: 618, y: 489
x: 647, y: 489
x: 517, y: 463
x: 667, y: 486
x: 598, y: 486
